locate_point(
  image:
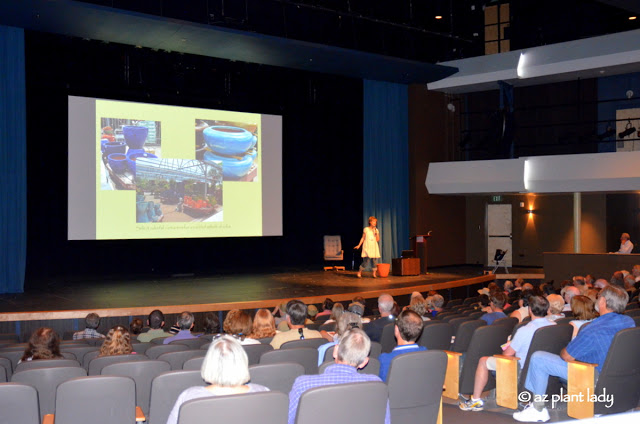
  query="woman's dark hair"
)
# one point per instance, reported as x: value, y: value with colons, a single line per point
x: 135, y: 327
x: 43, y: 344
x: 525, y: 295
x: 211, y: 323
x: 327, y: 305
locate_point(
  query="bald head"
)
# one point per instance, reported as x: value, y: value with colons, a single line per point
x: 569, y: 292
x: 385, y: 304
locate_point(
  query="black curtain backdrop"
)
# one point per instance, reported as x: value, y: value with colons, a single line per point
x: 322, y: 157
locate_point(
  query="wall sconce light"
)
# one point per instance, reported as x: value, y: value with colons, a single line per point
x: 628, y: 130
x: 530, y: 211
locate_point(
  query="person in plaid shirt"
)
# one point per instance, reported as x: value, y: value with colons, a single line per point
x: 91, y: 322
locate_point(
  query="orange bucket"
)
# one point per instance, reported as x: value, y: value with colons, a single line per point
x: 383, y: 270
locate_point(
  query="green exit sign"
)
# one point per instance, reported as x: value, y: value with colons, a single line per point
x: 496, y: 199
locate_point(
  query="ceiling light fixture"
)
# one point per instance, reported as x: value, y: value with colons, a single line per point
x: 633, y: 18
x: 438, y: 16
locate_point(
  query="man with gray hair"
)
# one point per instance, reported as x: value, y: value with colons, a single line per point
x: 374, y: 328
x: 91, y: 323
x: 590, y: 345
x: 351, y: 354
x: 625, y: 244
x: 185, y: 323
x: 567, y: 293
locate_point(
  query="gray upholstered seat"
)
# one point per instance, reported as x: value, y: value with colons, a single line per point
x: 154, y: 351
x: 46, y: 363
x: 276, y: 376
x: 262, y: 407
x: 305, y: 356
x: 464, y: 334
x: 165, y: 390
x: 255, y: 351
x: 193, y: 364
x: 314, y: 343
x: 18, y: 403
x: 436, y: 336
x: 177, y: 359
x: 96, y: 365
x: 486, y: 341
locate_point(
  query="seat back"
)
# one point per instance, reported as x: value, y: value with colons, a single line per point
x: 456, y: 322
x: 376, y: 350
x: 11, y: 337
x: 388, y: 338
x: 333, y: 248
x: 313, y: 343
x: 368, y: 398
x: 103, y: 399
x: 486, y: 341
x: 5, y: 363
x: 177, y: 359
x: 305, y: 356
x: 510, y: 322
x: 436, y: 336
x: 372, y: 367
x: 143, y: 373
x: 254, y: 352
x: 3, y: 375
x: 18, y: 403
x: 193, y: 364
x: 12, y: 354
x: 620, y: 376
x: 453, y: 302
x: 263, y: 407
x: 79, y: 351
x: 46, y: 381
x: 464, y: 334
x: 565, y: 320
x: 552, y: 338
x: 141, y: 347
x: 415, y: 386
x: 278, y: 377
x: 191, y: 343
x: 46, y: 363
x: 154, y: 351
x: 165, y: 390
x: 475, y: 315
x: 96, y: 365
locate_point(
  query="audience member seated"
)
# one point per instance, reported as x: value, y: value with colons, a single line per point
x: 635, y: 271
x: 437, y: 302
x: 568, y: 293
x: 630, y: 285
x: 419, y: 306
x: 617, y: 279
x: 523, y: 305
x: 336, y: 311
x: 117, y: 342
x: 518, y: 284
x: 580, y: 283
x: 600, y: 284
x: 347, y: 321
x: 350, y: 354
x: 135, y: 328
x: 508, y: 287
x: 185, y: 324
x: 226, y: 369
x: 358, y: 309
x: 296, y: 315
x: 279, y: 314
x: 590, y: 345
x: 327, y: 305
x: 407, y: 330
x: 556, y: 305
x: 518, y: 347
x: 212, y: 323
x: 583, y: 309
x: 547, y: 289
x: 385, y: 307
x: 239, y: 324
x: 155, y: 321
x: 91, y: 322
x: 497, y: 300
x: 264, y: 325
x: 312, y: 312
x: 44, y: 343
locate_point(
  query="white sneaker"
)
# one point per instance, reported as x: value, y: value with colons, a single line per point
x: 531, y: 415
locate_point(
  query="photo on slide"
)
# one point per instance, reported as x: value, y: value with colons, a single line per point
x: 235, y: 144
x: 122, y: 143
x: 178, y: 190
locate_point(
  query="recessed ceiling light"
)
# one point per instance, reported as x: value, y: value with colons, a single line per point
x: 633, y: 18
x: 438, y: 16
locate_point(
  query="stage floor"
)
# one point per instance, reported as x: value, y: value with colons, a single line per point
x: 215, y: 289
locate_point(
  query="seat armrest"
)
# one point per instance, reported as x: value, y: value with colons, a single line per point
x: 139, y: 415
x: 507, y: 381
x: 49, y: 419
x: 452, y: 376
x: 580, y: 387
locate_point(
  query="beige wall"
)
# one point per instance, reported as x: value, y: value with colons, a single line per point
x: 432, y: 133
x: 549, y: 229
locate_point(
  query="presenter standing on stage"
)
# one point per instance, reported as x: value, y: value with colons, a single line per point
x: 370, y: 248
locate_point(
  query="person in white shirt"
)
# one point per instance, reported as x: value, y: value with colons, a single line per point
x: 625, y: 244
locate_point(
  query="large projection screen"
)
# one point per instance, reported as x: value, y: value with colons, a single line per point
x: 149, y: 171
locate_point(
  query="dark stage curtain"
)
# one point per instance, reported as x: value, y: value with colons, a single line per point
x: 13, y: 161
x: 386, y: 164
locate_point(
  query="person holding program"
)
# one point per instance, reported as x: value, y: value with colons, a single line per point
x: 370, y: 247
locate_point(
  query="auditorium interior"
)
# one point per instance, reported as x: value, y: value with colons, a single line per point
x: 493, y: 140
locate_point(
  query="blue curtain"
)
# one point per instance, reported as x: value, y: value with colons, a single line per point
x: 13, y: 161
x: 386, y: 164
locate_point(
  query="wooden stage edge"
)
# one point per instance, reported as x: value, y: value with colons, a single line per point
x: 255, y: 304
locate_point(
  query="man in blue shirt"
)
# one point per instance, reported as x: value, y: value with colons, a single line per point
x: 185, y: 323
x: 590, y: 345
x: 407, y: 330
x: 497, y: 299
x: 351, y: 354
x: 519, y: 346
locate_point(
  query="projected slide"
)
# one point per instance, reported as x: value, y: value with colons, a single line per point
x: 172, y: 172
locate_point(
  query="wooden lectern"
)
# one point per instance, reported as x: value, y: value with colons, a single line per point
x: 419, y: 243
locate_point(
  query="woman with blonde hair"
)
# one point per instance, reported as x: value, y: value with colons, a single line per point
x: 264, y: 325
x: 44, y: 343
x: 226, y: 369
x: 370, y: 247
x: 239, y: 324
x: 117, y: 342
